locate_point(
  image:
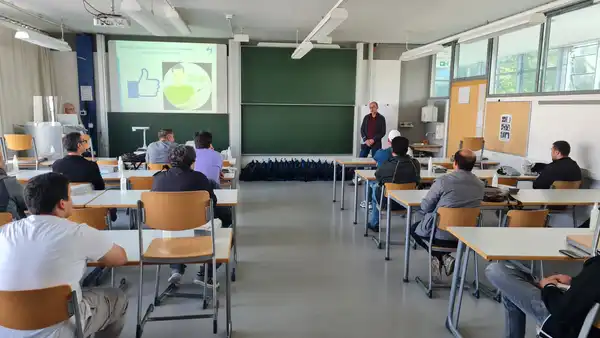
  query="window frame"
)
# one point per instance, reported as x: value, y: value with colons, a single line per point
x: 456, y: 62
x: 432, y: 73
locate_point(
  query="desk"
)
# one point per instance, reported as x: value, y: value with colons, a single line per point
x: 502, y: 244
x: 49, y: 163
x: 353, y: 162
x: 79, y: 201
x: 558, y: 196
x: 129, y: 240
x: 445, y: 161
x: 129, y: 198
x: 426, y: 148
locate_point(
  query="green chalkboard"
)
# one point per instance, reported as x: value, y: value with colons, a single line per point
x: 123, y: 140
x: 323, y: 76
x: 297, y: 129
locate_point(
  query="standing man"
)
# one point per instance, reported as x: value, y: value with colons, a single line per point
x: 372, y: 130
x: 158, y: 151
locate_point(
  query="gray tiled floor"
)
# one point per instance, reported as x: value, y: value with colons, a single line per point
x: 306, y: 271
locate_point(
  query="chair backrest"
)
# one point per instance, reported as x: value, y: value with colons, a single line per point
x: 226, y: 163
x: 157, y: 166
x: 18, y: 142
x: 107, y: 162
x: 457, y: 217
x: 94, y: 217
x: 592, y: 319
x: 399, y: 186
x: 473, y: 143
x: 566, y: 184
x: 527, y: 218
x: 174, y: 211
x: 5, y: 218
x: 141, y: 183
x: 35, y: 309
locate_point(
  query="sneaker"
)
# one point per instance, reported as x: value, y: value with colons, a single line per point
x: 199, y: 280
x: 436, y: 269
x: 175, y: 277
x: 374, y: 228
x: 449, y: 263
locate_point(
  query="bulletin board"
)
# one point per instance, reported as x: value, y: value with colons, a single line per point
x: 467, y: 100
x: 507, y: 127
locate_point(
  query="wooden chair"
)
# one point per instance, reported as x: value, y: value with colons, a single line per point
x: 5, y: 218
x: 39, y: 309
x: 387, y: 187
x: 444, y: 218
x: 140, y: 183
x: 21, y: 142
x: 176, y: 211
x: 567, y: 185
x: 226, y: 164
x: 474, y: 144
x: 107, y: 162
x: 527, y: 219
x: 95, y: 217
x: 591, y: 320
x: 157, y: 166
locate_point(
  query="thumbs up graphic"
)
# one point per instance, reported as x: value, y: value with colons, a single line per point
x: 143, y: 87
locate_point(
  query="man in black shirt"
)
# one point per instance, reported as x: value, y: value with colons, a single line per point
x: 562, y: 168
x: 74, y: 166
x: 181, y: 177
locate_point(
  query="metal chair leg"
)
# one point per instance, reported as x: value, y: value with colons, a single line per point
x: 157, y: 286
x: 476, y: 282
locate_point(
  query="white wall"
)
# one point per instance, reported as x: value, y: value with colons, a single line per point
x: 573, y: 118
x: 66, y: 78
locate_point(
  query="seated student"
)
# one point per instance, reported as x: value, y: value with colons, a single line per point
x: 383, y: 155
x: 158, y: 151
x: 558, y: 313
x: 181, y: 177
x: 400, y: 168
x: 11, y: 195
x: 562, y: 168
x: 46, y: 250
x: 74, y: 166
x: 208, y: 161
x: 458, y: 189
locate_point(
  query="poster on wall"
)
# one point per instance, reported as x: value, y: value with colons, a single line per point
x: 505, y: 127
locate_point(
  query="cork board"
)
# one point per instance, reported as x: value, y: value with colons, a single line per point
x: 464, y: 106
x: 507, y: 127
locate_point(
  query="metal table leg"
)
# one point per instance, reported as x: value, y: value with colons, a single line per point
x: 456, y: 289
x: 334, y: 177
x: 235, y: 243
x: 407, y: 243
x: 228, y: 301
x: 356, y: 179
x: 343, y: 183
x: 367, y: 212
x: 388, y: 230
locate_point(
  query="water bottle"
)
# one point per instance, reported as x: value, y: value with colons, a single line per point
x: 594, y: 217
x: 120, y: 165
x: 123, y: 182
x: 228, y: 153
x: 15, y: 163
x: 430, y: 165
x: 495, y: 181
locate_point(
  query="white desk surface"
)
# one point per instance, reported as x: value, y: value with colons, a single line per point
x: 51, y: 162
x: 356, y: 161
x: 129, y: 198
x: 427, y: 176
x: 413, y: 198
x: 26, y: 175
x: 129, y: 240
x: 79, y: 201
x: 446, y: 160
x: 517, y: 243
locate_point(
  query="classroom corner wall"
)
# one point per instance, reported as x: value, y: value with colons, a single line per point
x: 414, y: 93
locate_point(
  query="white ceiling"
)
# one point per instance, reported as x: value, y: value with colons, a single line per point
x: 388, y: 21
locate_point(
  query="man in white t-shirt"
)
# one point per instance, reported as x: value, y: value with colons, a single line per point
x: 45, y: 250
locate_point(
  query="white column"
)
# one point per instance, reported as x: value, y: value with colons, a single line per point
x: 234, y: 92
x: 101, y: 74
x: 359, y: 95
x: 371, y: 67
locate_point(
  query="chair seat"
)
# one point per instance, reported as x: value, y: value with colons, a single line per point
x: 442, y: 249
x: 179, y: 248
x: 28, y: 160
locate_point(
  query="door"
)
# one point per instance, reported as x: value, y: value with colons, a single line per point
x: 467, y: 98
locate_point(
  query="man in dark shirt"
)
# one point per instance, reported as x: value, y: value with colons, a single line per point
x: 562, y: 168
x: 372, y: 130
x: 74, y: 166
x: 182, y: 177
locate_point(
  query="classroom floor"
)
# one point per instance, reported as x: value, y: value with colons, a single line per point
x: 306, y: 271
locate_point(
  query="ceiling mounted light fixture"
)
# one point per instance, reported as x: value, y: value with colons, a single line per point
x: 176, y: 20
x: 495, y: 29
x: 142, y: 16
x: 332, y: 20
x: 34, y: 36
x: 420, y: 52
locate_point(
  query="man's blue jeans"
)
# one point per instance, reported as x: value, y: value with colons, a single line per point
x: 364, y: 151
x: 374, y: 220
x: 520, y: 297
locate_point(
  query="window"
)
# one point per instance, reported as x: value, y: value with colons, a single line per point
x: 573, y: 62
x: 472, y: 59
x: 516, y: 62
x: 440, y: 84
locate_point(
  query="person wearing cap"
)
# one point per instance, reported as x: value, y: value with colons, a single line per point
x: 383, y: 155
x: 372, y: 130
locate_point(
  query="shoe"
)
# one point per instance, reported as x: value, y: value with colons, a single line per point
x: 175, y: 277
x: 374, y: 228
x: 449, y: 263
x: 363, y: 204
x: 436, y: 269
x: 199, y: 280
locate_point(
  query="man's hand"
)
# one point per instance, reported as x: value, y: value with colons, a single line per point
x: 221, y: 175
x: 556, y: 279
x: 370, y: 142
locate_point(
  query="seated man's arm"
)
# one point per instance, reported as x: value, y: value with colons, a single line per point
x: 429, y: 203
x: 96, y: 245
x: 96, y: 179
x: 116, y: 256
x: 545, y: 180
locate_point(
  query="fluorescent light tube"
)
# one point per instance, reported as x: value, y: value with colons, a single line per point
x: 295, y: 45
x: 145, y: 18
x: 42, y: 40
x: 329, y: 23
x: 302, y: 50
x: 176, y: 20
x: 496, y: 29
x: 241, y: 37
x: 420, y: 52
